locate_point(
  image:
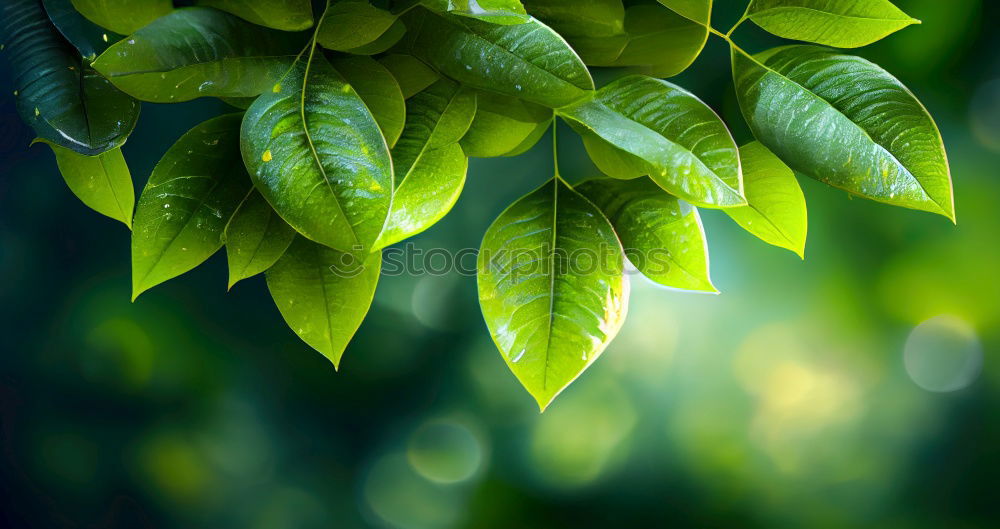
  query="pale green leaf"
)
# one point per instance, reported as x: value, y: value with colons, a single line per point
x: 503, y: 124
x: 255, y: 238
x: 776, y: 209
x: 102, y: 182
x: 841, y: 23
x: 316, y: 153
x: 190, y: 197
x: 379, y: 90
x: 286, y: 15
x: 410, y: 72
x: 662, y: 235
x: 123, y: 16
x: 552, y: 287
x: 323, y: 294
x: 847, y: 122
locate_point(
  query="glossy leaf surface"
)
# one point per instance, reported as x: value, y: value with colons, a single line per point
x: 662, y: 235
x: 286, y: 15
x: 88, y: 38
x: 379, y: 90
x: 199, y: 51
x: 102, y: 182
x: 353, y: 23
x: 66, y: 103
x: 316, y: 153
x: 323, y: 294
x: 585, y: 18
x: 502, y: 125
x: 776, y: 209
x: 123, y: 16
x: 410, y: 72
x: 841, y: 23
x: 688, y: 149
x: 255, y: 238
x: 529, y: 60
x: 552, y: 287
x: 845, y: 121
x: 190, y: 197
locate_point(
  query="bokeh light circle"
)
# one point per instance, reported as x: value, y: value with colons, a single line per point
x: 401, y: 498
x: 984, y: 114
x: 445, y: 451
x: 943, y: 354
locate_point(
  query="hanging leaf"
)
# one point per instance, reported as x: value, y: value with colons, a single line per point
x: 430, y: 165
x: 315, y: 152
x: 286, y: 15
x: 350, y: 24
x: 843, y: 120
x: 379, y: 90
x: 688, y: 149
x: 255, y: 238
x: 123, y: 16
x: 102, y: 182
x: 776, y: 209
x: 323, y: 294
x: 199, y: 51
x: 844, y: 24
x: 586, y: 18
x: 88, y: 38
x: 68, y: 104
x: 662, y: 235
x: 190, y: 197
x: 503, y: 124
x: 529, y: 60
x: 552, y: 287
x: 410, y: 72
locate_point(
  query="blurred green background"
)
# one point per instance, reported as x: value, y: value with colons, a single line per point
x: 859, y: 387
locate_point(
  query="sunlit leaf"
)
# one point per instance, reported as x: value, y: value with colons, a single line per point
x: 503, y: 124
x: 379, y: 90
x: 353, y: 23
x: 190, y: 197
x: 286, y: 15
x: 662, y: 235
x: 385, y: 41
x: 323, y: 294
x: 102, y: 182
x: 255, y: 238
x: 844, y: 23
x: 199, y: 51
x: 123, y: 16
x: 847, y: 122
x: 88, y: 38
x: 552, y: 287
x: 316, y: 153
x: 502, y: 12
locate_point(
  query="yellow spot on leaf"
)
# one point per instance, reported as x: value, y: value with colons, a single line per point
x: 346, y: 88
x: 267, y: 156
x: 277, y: 88
x: 104, y: 36
x: 37, y: 112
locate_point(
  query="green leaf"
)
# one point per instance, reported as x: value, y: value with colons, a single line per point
x: 88, y: 38
x: 410, y: 72
x: 323, y: 294
x: 255, y: 238
x: 687, y: 148
x: 316, y: 153
x: 529, y: 60
x: 241, y: 103
x: 552, y: 287
x: 379, y: 90
x: 776, y: 209
x: 190, y: 197
x: 351, y: 24
x: 102, y: 182
x: 699, y: 11
x: 844, y: 24
x: 382, y: 44
x: 611, y: 160
x: 430, y: 165
x: 843, y: 120
x: 661, y: 234
x: 286, y: 15
x: 123, y: 16
x: 583, y: 18
x: 503, y: 124
x: 66, y: 102
x: 199, y: 51
x: 503, y: 12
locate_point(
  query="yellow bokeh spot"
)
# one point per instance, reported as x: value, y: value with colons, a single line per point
x: 267, y: 156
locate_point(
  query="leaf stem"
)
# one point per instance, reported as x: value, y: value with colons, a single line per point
x: 555, y: 148
x: 746, y: 15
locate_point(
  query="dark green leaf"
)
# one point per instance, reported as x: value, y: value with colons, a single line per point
x: 88, y: 38
x: 255, y: 238
x: 503, y: 124
x: 382, y: 44
x: 123, y: 16
x: 379, y: 90
x: 102, y: 182
x: 323, y: 294
x: 687, y: 148
x: 552, y: 287
x: 317, y: 155
x: 699, y: 11
x: 286, y: 15
x: 844, y: 23
x: 410, y: 72
x: 583, y: 18
x: 190, y: 197
x: 351, y: 24
x: 199, y: 51
x: 241, y: 103
x: 847, y: 122
x: 661, y: 234
x: 527, y: 60
x: 66, y: 103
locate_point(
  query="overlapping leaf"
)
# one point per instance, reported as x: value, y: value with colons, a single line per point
x: 379, y: 90
x: 123, y: 16
x: 410, y: 72
x: 87, y: 37
x: 504, y: 126
x: 255, y: 238
x: 286, y: 15
x: 842, y: 23
x: 102, y: 182
x: 352, y: 24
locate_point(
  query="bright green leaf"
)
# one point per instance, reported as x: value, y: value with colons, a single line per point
x: 286, y: 15
x: 190, y: 197
x: 504, y: 12
x: 102, y: 182
x: 199, y: 51
x: 503, y: 124
x: 776, y: 209
x: 123, y: 16
x: 611, y: 160
x: 316, y: 153
x: 379, y: 90
x: 351, y: 24
x: 582, y: 18
x: 88, y: 38
x: 688, y: 149
x: 410, y: 72
x: 843, y: 23
x: 699, y: 11
x: 552, y: 287
x: 323, y: 294
x: 529, y: 60
x: 255, y: 238
x: 845, y: 121
x: 662, y: 235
